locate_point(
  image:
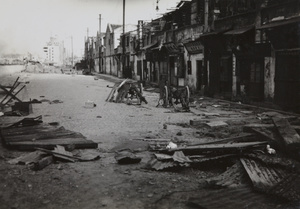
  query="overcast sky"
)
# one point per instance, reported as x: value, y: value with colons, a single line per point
x: 26, y: 25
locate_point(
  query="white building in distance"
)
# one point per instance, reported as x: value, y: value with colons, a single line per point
x: 54, y: 52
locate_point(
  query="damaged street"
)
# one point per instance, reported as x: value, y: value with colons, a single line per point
x: 67, y: 146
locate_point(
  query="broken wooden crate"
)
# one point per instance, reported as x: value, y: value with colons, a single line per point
x: 126, y: 89
x: 43, y: 136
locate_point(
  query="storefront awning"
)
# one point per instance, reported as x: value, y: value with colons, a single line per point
x: 194, y: 47
x: 149, y: 46
x: 280, y: 23
x: 239, y: 31
x: 213, y: 33
x: 171, y: 48
x: 209, y: 34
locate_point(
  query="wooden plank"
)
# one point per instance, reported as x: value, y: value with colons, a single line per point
x: 262, y: 135
x: 110, y: 96
x: 12, y: 88
x: 220, y: 147
x: 60, y: 155
x: 42, y: 163
x: 122, y: 92
x: 289, y: 135
x: 31, y: 129
x: 61, y: 150
x: 243, y: 137
x: 28, y: 122
x: 28, y: 158
x: 11, y: 94
x: 51, y: 143
x: 41, y: 136
x: 8, y: 121
x: 216, y: 124
x: 198, y: 122
x: 248, y: 127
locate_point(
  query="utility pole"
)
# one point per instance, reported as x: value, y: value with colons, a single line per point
x: 88, y: 49
x: 206, y: 15
x: 123, y: 40
x: 72, y: 50
x: 100, y: 44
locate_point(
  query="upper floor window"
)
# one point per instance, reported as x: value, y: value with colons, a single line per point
x: 127, y: 40
x: 234, y: 7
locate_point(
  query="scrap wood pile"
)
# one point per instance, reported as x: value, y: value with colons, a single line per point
x: 10, y: 95
x: 126, y: 89
x: 269, y: 161
x: 48, y: 142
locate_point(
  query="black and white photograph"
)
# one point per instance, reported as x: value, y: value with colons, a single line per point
x: 150, y: 104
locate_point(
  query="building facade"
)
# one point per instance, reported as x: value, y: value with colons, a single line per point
x: 54, y: 52
x: 242, y: 50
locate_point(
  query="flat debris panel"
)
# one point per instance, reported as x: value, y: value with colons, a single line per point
x: 43, y: 136
x: 262, y: 176
x: 288, y: 188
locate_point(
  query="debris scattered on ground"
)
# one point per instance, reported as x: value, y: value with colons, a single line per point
x: 39, y: 159
x: 266, y: 154
x: 89, y: 104
x: 28, y: 158
x: 125, y: 157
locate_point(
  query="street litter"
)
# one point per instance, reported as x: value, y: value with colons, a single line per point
x: 125, y: 157
x: 270, y: 150
x: 172, y: 145
x: 89, y: 104
x: 267, y: 154
x: 41, y: 158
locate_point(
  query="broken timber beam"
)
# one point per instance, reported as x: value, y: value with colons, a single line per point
x: 12, y: 88
x: 242, y: 137
x: 288, y: 134
x: 13, y: 96
x: 235, y: 147
x: 249, y: 127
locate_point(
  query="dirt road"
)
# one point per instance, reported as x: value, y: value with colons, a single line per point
x: 104, y: 183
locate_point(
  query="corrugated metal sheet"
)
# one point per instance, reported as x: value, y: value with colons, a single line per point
x: 262, y: 176
x: 232, y: 177
x: 242, y: 197
x: 288, y: 188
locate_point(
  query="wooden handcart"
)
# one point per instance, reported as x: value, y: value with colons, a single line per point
x: 174, y: 95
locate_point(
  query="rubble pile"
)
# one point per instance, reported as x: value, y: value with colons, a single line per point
x: 264, y: 157
x: 46, y: 141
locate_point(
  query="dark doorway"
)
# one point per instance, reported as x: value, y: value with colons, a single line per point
x: 199, y: 74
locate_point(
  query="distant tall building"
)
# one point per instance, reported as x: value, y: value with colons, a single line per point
x: 54, y: 52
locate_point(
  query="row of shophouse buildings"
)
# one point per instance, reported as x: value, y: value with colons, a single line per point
x: 225, y: 48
